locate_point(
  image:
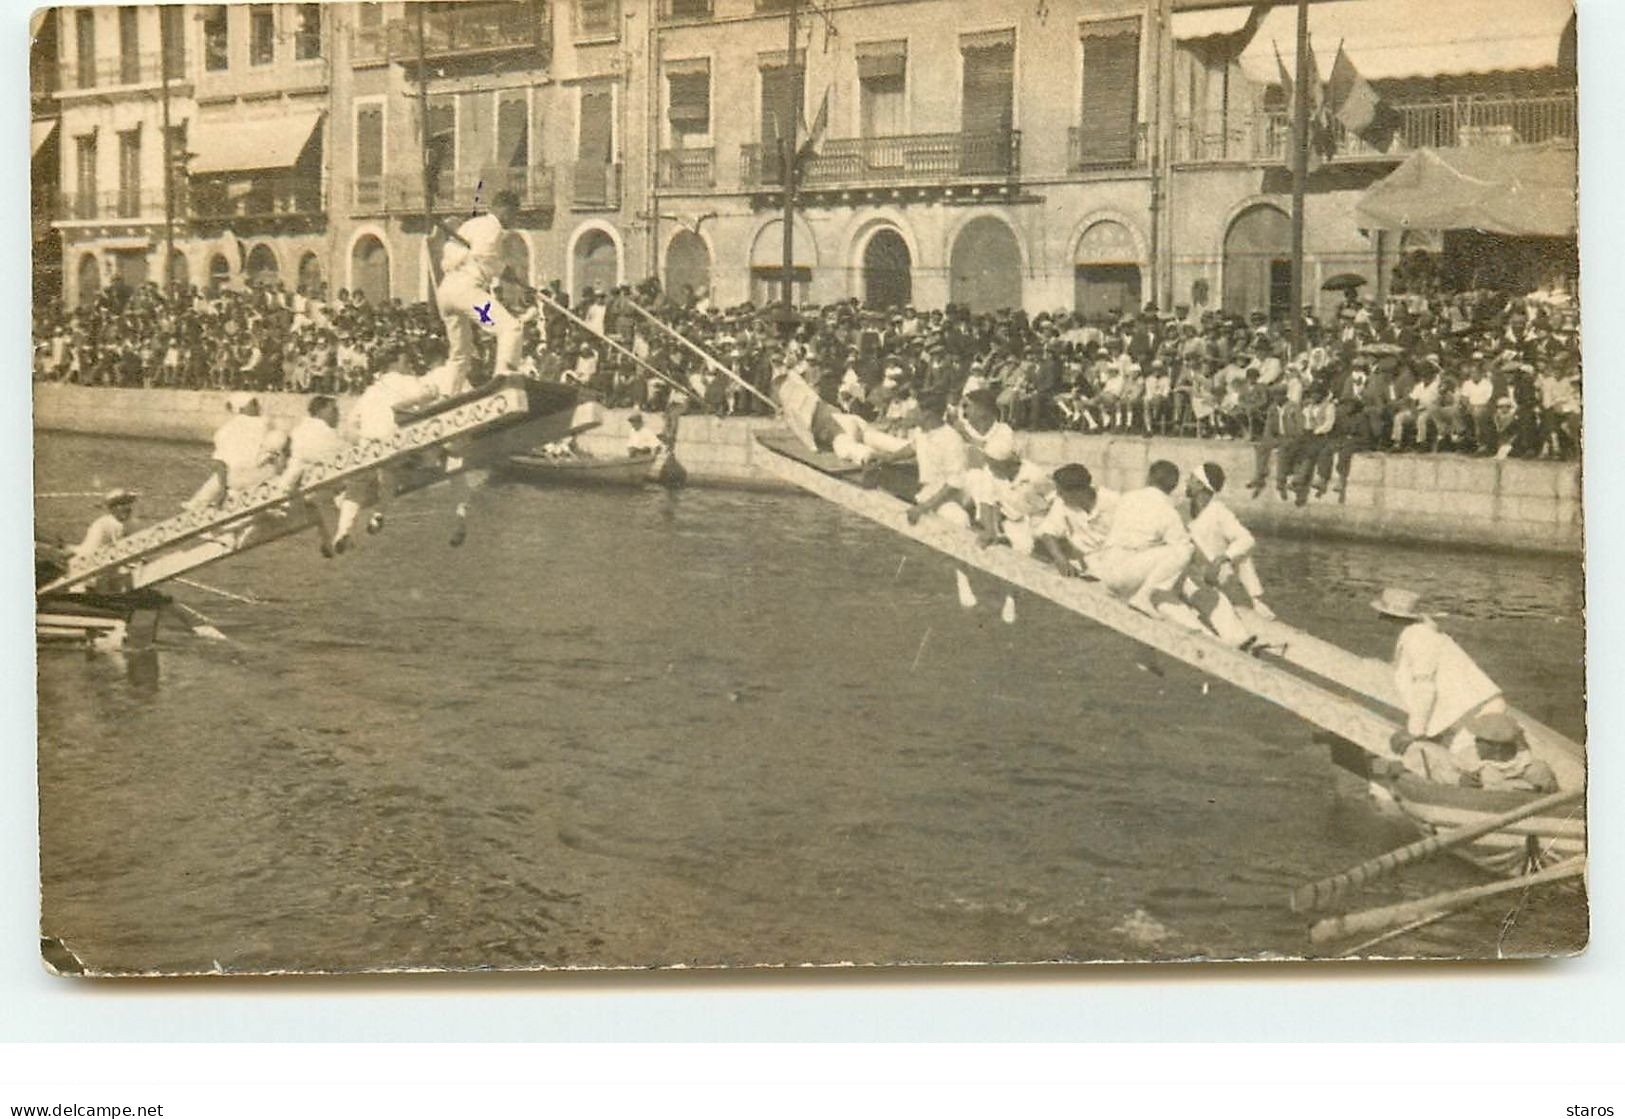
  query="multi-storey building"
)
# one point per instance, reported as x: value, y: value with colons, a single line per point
x: 111, y: 66
x: 45, y: 146
x: 1093, y: 155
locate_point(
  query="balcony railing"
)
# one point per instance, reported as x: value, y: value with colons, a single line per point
x: 116, y: 72
x: 688, y: 168
x: 402, y: 192
x: 265, y: 199
x: 112, y: 205
x: 475, y: 27
x: 932, y: 157
x: 1088, y: 150
x: 1457, y: 122
x: 595, y: 186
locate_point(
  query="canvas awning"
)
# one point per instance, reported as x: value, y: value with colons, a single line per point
x: 1209, y: 22
x: 1390, y: 39
x: 1519, y: 192
x: 252, y: 145
x: 39, y: 132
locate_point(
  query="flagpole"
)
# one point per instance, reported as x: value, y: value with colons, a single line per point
x: 788, y: 163
x: 1300, y: 172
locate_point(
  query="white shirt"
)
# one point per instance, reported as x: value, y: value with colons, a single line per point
x: 1217, y: 532
x: 1437, y: 680
x: 1477, y: 392
x: 1085, y: 531
x: 244, y: 443
x: 481, y: 258
x: 311, y: 441
x: 104, y: 530
x: 1026, y: 495
x: 642, y: 439
x: 1145, y: 518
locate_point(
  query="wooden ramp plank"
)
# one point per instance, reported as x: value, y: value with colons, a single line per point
x: 493, y: 425
x: 1308, y: 701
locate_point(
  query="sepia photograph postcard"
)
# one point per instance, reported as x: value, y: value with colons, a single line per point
x: 643, y: 484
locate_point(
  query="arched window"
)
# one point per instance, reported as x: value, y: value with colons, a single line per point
x: 688, y: 266
x: 888, y: 276
x: 262, y: 266
x: 1258, y: 262
x: 767, y: 263
x: 595, y: 262
x: 219, y: 272
x: 1106, y: 272
x: 369, y: 269
x: 985, y: 267
x: 310, y: 273
x: 90, y: 279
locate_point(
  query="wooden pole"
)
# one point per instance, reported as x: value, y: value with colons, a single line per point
x: 705, y: 356
x: 1387, y: 916
x: 616, y: 346
x: 1300, y: 173
x: 787, y: 137
x: 1314, y: 895
x: 164, y: 48
x: 423, y: 155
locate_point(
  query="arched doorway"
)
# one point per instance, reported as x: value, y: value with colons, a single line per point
x: 369, y: 269
x: 595, y: 262
x: 262, y: 266
x: 767, y: 263
x: 310, y: 274
x: 180, y: 273
x: 688, y: 266
x: 1258, y: 262
x: 1106, y: 272
x: 219, y: 272
x: 888, y: 270
x: 516, y: 255
x: 985, y: 267
x: 90, y: 279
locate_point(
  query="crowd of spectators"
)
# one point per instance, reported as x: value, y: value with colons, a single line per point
x: 1474, y: 372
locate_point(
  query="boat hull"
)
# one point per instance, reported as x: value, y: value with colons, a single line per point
x: 1515, y: 849
x: 543, y: 470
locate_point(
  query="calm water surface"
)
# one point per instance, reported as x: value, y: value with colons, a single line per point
x: 711, y: 728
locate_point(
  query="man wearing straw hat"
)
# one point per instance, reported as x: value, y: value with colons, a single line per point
x: 1443, y: 691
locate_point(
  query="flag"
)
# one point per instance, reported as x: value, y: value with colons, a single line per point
x: 815, y: 131
x: 1318, y: 139
x: 1356, y: 104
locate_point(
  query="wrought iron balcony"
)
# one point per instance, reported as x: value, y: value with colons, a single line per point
x: 119, y: 72
x: 1454, y: 122
x: 469, y: 28
x: 1089, y: 150
x: 271, y: 197
x: 595, y: 186
x: 688, y: 168
x: 937, y: 157
x: 113, y: 205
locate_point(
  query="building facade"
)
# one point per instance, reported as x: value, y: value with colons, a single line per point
x: 1091, y: 156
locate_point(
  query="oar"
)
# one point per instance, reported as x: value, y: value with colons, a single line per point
x: 1314, y: 895
x: 543, y: 297
x: 205, y: 627
x: 1387, y: 916
x: 705, y: 356
x: 244, y: 599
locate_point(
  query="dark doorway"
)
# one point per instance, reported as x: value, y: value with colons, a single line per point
x: 888, y: 279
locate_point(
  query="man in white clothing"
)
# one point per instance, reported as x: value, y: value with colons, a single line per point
x: 1222, y: 542
x: 1442, y: 689
x: 315, y: 439
x: 941, y: 455
x: 1078, y: 521
x: 246, y: 451
x: 1147, y: 549
x: 472, y: 261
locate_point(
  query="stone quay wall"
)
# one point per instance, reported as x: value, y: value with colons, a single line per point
x: 1418, y: 499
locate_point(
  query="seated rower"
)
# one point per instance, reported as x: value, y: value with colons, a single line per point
x: 640, y: 441
x: 374, y: 418
x: 315, y: 439
x: 1010, y: 495
x: 109, y: 528
x: 1499, y: 761
x: 247, y: 451
x: 1147, y: 549
x: 1079, y: 517
x: 1440, y: 687
x: 823, y: 427
x: 1222, y: 542
x: 940, y: 454
x: 979, y: 422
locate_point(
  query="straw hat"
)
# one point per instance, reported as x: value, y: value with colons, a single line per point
x: 1497, y: 727
x: 1394, y: 602
x: 115, y: 498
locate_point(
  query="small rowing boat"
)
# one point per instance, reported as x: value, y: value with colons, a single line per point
x: 583, y: 470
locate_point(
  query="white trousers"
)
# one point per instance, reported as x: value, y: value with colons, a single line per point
x: 460, y: 298
x: 1132, y: 574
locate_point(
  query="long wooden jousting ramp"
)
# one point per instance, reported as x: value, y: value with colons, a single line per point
x: 473, y: 431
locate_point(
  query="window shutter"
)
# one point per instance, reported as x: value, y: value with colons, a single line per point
x: 1109, y: 121
x: 988, y: 98
x: 690, y: 101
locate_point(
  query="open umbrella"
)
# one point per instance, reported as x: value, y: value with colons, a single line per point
x: 1344, y: 281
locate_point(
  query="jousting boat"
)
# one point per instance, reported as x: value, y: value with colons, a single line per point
x: 473, y: 431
